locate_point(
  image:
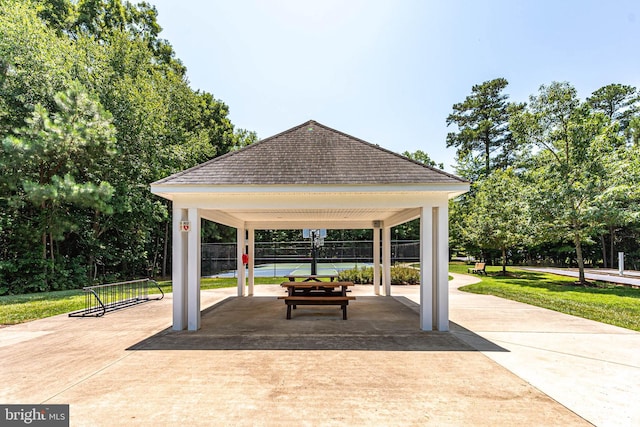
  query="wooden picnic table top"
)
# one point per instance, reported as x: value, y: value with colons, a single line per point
x: 311, y: 285
x: 308, y: 277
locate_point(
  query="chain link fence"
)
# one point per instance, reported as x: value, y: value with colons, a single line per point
x: 219, y: 257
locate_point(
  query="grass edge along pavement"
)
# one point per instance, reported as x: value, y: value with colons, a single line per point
x: 607, y: 303
x: 615, y: 305
x: 22, y: 308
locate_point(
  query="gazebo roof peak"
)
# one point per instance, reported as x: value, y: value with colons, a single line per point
x: 311, y: 153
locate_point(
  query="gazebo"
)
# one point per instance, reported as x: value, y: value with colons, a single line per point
x: 310, y: 177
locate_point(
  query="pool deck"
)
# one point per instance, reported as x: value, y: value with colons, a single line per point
x: 503, y: 363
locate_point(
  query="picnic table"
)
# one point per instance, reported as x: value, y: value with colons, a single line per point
x: 317, y: 293
x: 311, y: 277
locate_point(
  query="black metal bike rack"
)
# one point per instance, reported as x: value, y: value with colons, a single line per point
x: 113, y: 296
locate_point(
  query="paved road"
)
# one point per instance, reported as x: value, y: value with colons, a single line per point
x: 603, y: 275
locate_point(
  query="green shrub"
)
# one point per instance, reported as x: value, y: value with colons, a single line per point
x: 404, y: 275
x: 362, y: 275
x: 34, y: 274
x: 400, y: 275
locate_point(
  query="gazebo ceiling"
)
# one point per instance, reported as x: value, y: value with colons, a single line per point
x: 333, y: 218
x: 261, y: 215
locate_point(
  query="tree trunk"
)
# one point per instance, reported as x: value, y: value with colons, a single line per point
x: 53, y: 256
x: 612, y: 236
x: 487, y: 158
x: 44, y: 246
x: 579, y: 259
x: 504, y: 261
x: 52, y: 249
x: 91, y: 268
x: 604, y: 250
x: 44, y: 259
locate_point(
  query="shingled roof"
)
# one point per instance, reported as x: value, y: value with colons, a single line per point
x: 311, y: 153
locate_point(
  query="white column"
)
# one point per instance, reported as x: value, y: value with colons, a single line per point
x: 386, y: 259
x: 239, y: 265
x: 376, y: 261
x: 442, y: 261
x: 426, y: 269
x: 180, y: 266
x: 251, y: 253
x: 194, y: 271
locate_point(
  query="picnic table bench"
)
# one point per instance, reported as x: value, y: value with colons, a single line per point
x: 317, y: 293
x: 479, y: 268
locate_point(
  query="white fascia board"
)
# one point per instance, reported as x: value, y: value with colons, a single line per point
x: 377, y: 200
x: 166, y: 190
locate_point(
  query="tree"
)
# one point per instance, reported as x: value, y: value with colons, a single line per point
x: 422, y: 157
x: 617, y: 102
x: 60, y: 14
x: 570, y: 170
x: 498, y: 215
x: 113, y: 50
x: 35, y: 64
x: 483, y: 127
x: 54, y: 165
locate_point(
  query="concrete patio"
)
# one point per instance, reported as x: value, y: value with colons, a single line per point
x: 503, y: 363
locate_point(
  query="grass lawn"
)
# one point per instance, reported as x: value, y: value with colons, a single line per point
x: 615, y: 305
x: 607, y: 303
x: 22, y: 308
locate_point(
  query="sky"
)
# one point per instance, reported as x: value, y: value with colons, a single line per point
x: 389, y: 71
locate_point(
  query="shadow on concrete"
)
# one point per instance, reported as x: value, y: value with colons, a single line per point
x: 258, y: 323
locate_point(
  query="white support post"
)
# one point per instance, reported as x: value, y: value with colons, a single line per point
x: 426, y: 269
x: 442, y: 261
x: 376, y: 261
x: 194, y: 270
x: 179, y: 269
x: 239, y: 265
x: 251, y: 253
x: 386, y: 259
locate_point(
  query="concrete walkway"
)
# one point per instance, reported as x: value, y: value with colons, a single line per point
x: 504, y: 363
x: 590, y: 367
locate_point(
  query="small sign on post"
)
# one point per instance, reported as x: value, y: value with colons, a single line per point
x: 185, y: 226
